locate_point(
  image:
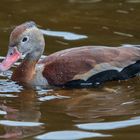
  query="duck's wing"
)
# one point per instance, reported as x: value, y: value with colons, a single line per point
x: 83, y: 63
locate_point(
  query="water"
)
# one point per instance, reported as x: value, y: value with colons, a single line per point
x: 110, y: 112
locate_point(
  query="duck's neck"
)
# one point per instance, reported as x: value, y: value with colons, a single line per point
x: 25, y: 71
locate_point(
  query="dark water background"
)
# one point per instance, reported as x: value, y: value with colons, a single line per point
x: 110, y: 112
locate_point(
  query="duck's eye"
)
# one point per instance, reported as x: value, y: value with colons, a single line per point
x: 25, y: 39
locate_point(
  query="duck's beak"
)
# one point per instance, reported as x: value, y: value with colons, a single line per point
x: 12, y: 56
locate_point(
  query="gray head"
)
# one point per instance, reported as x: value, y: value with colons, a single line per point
x: 25, y: 39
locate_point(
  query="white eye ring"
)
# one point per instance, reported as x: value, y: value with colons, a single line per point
x: 25, y: 39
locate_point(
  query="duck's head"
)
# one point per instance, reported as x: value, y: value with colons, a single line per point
x: 26, y: 39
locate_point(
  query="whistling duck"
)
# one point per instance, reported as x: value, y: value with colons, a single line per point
x: 75, y: 67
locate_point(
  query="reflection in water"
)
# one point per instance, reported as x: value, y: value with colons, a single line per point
x: 110, y: 125
x: 133, y: 1
x: 65, y: 135
x: 91, y: 109
x: 85, y: 1
x: 19, y: 123
x: 3, y: 112
x: 96, y: 104
x: 24, y: 121
x: 70, y: 109
x: 52, y: 97
x: 123, y: 34
x: 9, y: 86
x: 108, y: 23
x: 65, y: 35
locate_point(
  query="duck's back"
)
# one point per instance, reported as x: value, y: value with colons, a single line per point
x: 82, y: 63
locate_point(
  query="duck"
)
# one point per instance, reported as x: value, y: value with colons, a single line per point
x: 84, y: 66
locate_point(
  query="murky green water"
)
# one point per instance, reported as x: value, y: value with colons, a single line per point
x: 110, y: 112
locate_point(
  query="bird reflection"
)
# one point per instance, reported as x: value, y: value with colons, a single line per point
x: 25, y: 111
x: 94, y: 105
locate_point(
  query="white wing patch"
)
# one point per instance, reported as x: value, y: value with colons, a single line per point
x: 97, y: 69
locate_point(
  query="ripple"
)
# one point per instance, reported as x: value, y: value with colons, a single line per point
x: 19, y: 123
x: 123, y: 34
x: 122, y: 11
x: 2, y: 57
x: 9, y: 86
x: 48, y: 94
x: 65, y: 35
x: 52, y: 97
x: 129, y: 102
x: 63, y: 135
x: 42, y: 91
x: 7, y: 73
x: 110, y: 125
x: 133, y: 1
x: 7, y: 95
x: 3, y: 112
x: 84, y: 1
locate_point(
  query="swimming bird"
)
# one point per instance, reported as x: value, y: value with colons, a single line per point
x: 84, y: 66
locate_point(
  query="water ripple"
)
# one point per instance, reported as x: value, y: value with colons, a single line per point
x: 65, y: 135
x: 84, y: 1
x: 133, y: 1
x: 19, y: 123
x: 65, y: 35
x: 110, y: 125
x: 123, y: 34
x: 9, y: 86
x: 48, y: 94
x: 3, y: 112
x: 52, y: 97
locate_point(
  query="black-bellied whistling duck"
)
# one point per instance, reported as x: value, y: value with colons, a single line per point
x: 75, y: 67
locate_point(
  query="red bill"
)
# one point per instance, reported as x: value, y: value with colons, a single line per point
x: 12, y: 56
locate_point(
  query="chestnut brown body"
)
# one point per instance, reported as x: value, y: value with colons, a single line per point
x: 81, y: 66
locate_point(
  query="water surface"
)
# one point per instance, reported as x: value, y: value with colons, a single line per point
x: 109, y: 112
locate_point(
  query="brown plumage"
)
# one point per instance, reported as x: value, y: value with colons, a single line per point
x: 64, y: 66
x: 75, y: 66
